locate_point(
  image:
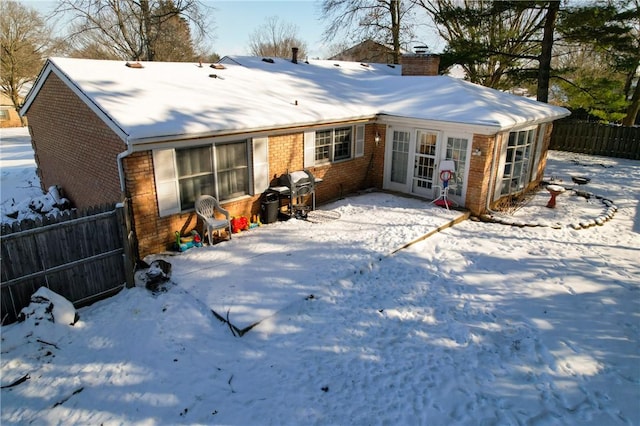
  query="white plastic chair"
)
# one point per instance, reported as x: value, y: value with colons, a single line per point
x: 206, y: 208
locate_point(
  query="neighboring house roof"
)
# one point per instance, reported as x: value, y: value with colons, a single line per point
x: 366, y: 51
x: 174, y: 100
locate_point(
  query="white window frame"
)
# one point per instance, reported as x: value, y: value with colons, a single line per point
x: 525, y: 174
x: 356, y: 145
x: 167, y: 179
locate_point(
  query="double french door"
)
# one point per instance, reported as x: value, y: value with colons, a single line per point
x: 413, y: 157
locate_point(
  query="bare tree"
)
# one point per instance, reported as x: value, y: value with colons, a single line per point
x: 385, y: 21
x: 490, y: 40
x: 135, y: 29
x: 25, y: 41
x: 276, y: 38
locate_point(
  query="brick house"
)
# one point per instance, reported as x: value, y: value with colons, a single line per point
x: 8, y: 115
x: 163, y: 133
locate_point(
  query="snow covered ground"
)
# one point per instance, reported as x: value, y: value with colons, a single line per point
x: 479, y: 324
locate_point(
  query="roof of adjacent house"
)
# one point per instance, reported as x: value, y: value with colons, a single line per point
x: 174, y: 100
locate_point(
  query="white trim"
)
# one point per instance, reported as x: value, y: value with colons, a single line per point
x: 167, y: 189
x: 444, y: 126
x: 44, y: 74
x: 309, y: 148
x: 359, y: 141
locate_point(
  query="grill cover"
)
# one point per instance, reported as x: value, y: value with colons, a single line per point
x: 300, y: 183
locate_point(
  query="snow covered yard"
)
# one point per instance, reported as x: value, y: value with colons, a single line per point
x: 479, y: 324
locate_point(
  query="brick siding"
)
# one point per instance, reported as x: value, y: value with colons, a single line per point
x: 479, y: 178
x: 79, y: 155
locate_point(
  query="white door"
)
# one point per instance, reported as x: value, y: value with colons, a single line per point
x: 425, y: 163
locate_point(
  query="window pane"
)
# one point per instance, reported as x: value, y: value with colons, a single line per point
x: 232, y: 170
x: 193, y: 161
x: 195, y: 174
x: 323, y: 145
x: 517, y: 166
x: 399, y: 156
x: 342, y: 144
x: 192, y: 188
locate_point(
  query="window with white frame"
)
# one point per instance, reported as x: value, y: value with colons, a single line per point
x: 183, y: 174
x: 195, y: 174
x: 333, y: 144
x: 457, y: 151
x: 517, y: 165
x: 232, y: 170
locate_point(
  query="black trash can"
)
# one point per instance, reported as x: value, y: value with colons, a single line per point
x: 270, y: 207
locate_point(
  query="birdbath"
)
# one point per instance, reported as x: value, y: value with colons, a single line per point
x: 554, y: 190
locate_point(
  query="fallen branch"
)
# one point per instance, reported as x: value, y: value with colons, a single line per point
x: 17, y: 382
x: 231, y: 327
x: 47, y: 343
x: 75, y: 392
x: 229, y: 382
x: 234, y: 330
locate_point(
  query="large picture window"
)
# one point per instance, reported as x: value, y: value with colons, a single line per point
x: 182, y: 175
x: 517, y: 166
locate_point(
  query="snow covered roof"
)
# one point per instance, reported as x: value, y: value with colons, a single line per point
x: 174, y: 100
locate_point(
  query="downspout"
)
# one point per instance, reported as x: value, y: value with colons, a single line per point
x: 492, y: 180
x: 120, y: 159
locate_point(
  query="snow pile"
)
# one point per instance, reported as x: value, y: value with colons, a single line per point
x: 47, y: 305
x: 49, y: 204
x: 20, y: 190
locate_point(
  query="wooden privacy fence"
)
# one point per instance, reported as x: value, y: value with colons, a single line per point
x: 83, y: 257
x: 596, y: 139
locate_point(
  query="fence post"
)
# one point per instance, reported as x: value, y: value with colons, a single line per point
x: 128, y: 257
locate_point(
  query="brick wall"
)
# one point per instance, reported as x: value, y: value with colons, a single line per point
x: 286, y: 153
x: 420, y: 64
x: 78, y: 155
x: 376, y: 163
x: 154, y: 233
x: 479, y: 179
x: 346, y: 177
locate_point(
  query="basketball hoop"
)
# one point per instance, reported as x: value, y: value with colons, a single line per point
x: 445, y: 176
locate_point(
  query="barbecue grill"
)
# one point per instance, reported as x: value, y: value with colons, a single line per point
x: 295, y: 187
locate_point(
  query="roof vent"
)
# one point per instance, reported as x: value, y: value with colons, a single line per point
x: 336, y: 65
x: 134, y: 65
x: 218, y: 66
x: 268, y: 60
x: 365, y: 65
x: 391, y: 66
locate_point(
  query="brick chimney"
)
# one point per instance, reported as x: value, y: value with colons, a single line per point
x: 420, y: 63
x: 294, y: 55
